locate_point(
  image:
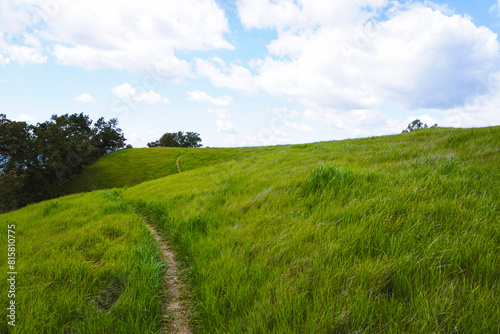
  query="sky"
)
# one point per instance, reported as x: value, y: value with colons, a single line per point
x: 252, y: 72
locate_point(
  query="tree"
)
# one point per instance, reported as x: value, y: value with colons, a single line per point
x: 416, y: 125
x: 179, y: 139
x: 171, y: 140
x: 64, y: 145
x: 192, y: 139
x: 16, y: 142
x: 106, y: 136
x: 34, y: 160
x: 21, y: 171
x: 154, y: 144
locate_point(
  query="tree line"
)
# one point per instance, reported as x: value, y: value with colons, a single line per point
x: 35, y: 159
x: 177, y: 139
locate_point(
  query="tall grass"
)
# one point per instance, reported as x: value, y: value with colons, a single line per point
x: 389, y: 234
x: 124, y: 168
x: 394, y: 234
x: 85, y: 264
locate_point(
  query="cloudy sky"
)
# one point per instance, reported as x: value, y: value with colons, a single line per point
x: 252, y: 72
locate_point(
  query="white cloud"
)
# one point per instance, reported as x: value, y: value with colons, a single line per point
x: 495, y: 9
x: 141, y: 37
x: 136, y: 140
x: 14, y: 17
x: 4, y: 61
x: 262, y: 137
x: 127, y: 92
x: 202, y: 97
x: 24, y: 118
x: 225, y: 126
x: 138, y: 36
x: 234, y: 77
x: 424, y: 59
x: 28, y: 52
x: 337, y: 58
x: 265, y: 14
x: 223, y: 123
x: 303, y: 127
x: 304, y: 14
x: 221, y: 113
x: 84, y: 97
x: 479, y: 110
x: 360, y: 120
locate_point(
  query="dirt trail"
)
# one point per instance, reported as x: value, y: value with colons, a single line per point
x: 177, y: 162
x: 176, y: 307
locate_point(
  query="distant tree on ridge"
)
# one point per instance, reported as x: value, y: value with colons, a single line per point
x: 416, y: 125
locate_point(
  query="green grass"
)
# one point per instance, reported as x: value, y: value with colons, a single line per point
x: 124, y: 168
x: 388, y: 234
x: 85, y: 264
x: 127, y: 168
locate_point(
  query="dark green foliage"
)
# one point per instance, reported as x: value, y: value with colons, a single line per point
x: 106, y: 137
x: 35, y: 159
x: 179, y: 139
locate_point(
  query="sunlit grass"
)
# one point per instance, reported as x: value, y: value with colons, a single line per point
x: 85, y: 264
x: 129, y: 167
x: 393, y: 234
x: 389, y: 234
x: 124, y: 168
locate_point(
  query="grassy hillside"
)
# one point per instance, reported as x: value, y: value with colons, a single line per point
x: 388, y: 234
x: 127, y: 168
x: 123, y: 169
x: 378, y: 235
x: 85, y: 264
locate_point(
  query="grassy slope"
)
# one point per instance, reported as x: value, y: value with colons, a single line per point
x: 85, y: 264
x: 127, y: 168
x: 122, y: 169
x: 386, y: 234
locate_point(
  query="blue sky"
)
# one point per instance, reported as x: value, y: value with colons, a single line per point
x: 252, y: 72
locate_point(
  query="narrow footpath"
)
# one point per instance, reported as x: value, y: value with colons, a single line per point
x: 176, y: 308
x: 177, y: 163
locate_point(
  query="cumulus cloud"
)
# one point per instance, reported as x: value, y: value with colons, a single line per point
x: 4, y: 61
x: 262, y: 137
x: 14, y: 17
x: 84, y: 97
x: 295, y: 126
x: 480, y: 109
x: 224, y: 123
x: 435, y: 63
x: 340, y: 57
x: 234, y: 77
x: 27, y: 50
x: 304, y: 14
x: 24, y: 118
x: 127, y: 92
x: 225, y: 126
x: 495, y: 9
x: 140, y: 36
x: 136, y: 140
x: 122, y: 35
x: 221, y: 113
x: 202, y: 97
